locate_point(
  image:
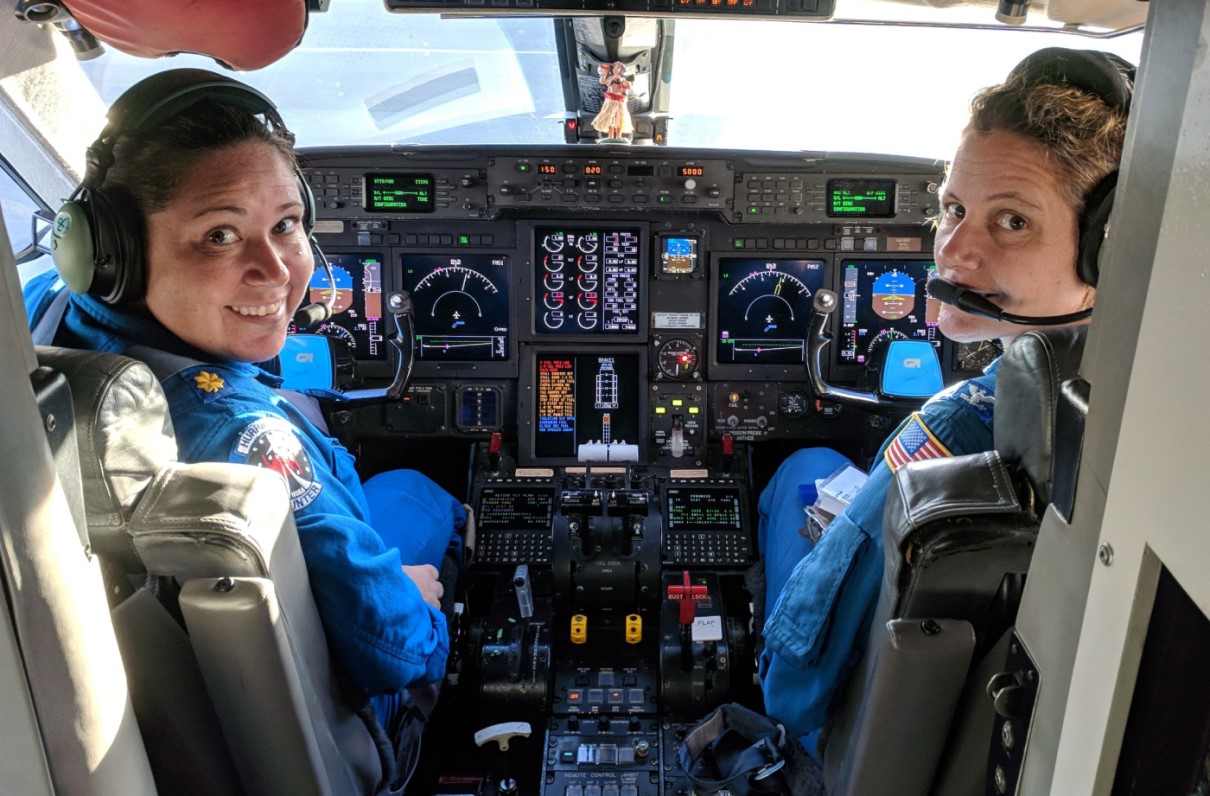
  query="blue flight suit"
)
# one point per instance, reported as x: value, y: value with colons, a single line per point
x: 823, y: 594
x: 377, y: 624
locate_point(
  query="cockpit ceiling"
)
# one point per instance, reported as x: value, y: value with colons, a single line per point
x: 249, y: 36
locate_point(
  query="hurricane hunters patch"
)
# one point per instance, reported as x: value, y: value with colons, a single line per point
x: 914, y: 442
x: 271, y: 443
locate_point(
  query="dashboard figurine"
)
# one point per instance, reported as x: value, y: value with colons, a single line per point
x: 614, y: 119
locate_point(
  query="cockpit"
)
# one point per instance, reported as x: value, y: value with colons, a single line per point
x: 604, y: 348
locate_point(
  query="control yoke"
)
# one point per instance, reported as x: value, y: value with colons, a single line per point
x: 925, y: 370
x: 399, y: 307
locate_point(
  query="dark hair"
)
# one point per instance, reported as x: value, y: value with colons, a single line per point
x: 150, y: 165
x: 1081, y: 133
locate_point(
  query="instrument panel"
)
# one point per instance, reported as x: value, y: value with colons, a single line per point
x: 617, y: 337
x: 693, y: 272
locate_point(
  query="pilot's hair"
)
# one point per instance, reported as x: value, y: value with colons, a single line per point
x: 150, y: 165
x: 1081, y: 133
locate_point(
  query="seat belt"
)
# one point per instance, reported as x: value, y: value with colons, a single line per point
x: 44, y: 330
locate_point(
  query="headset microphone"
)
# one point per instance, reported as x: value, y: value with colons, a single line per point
x: 969, y: 301
x: 310, y: 315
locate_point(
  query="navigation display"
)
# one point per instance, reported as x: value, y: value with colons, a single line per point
x: 586, y: 281
x: 885, y: 300
x: 515, y: 508
x: 586, y: 399
x: 698, y: 509
x: 357, y: 308
x: 461, y: 305
x: 763, y: 308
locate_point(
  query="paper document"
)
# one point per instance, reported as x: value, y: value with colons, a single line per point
x: 839, y: 489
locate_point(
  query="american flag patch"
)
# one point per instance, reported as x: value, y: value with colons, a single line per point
x: 914, y: 442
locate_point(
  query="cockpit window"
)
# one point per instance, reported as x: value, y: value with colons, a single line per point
x: 898, y: 90
x: 362, y: 76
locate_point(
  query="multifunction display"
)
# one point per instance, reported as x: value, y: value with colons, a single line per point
x: 884, y: 300
x: 698, y: 509
x: 763, y: 308
x: 515, y: 508
x: 399, y: 193
x: 461, y: 306
x: 861, y: 198
x: 357, y: 304
x: 585, y: 399
x: 586, y: 281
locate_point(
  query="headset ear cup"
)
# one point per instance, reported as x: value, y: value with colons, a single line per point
x: 71, y: 245
x: 120, y: 271
x: 1094, y: 223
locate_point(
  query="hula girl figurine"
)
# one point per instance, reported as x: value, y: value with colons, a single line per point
x: 614, y: 118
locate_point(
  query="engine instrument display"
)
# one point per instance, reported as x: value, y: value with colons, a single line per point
x: 586, y: 281
x: 585, y: 399
x: 357, y: 305
x: 461, y: 306
x: 700, y: 509
x: 763, y: 308
x: 885, y: 300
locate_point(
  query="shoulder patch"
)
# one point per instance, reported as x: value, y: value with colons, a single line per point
x: 914, y: 442
x: 272, y: 443
x: 977, y: 395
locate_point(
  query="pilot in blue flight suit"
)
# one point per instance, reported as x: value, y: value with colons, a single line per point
x: 822, y: 603
x: 225, y: 260
x: 1034, y: 148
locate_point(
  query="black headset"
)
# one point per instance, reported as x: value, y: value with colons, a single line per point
x: 1111, y: 78
x: 98, y: 236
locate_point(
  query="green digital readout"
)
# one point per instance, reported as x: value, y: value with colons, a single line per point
x: 861, y: 198
x: 399, y: 193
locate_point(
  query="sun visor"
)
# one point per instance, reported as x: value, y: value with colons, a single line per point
x: 239, y: 34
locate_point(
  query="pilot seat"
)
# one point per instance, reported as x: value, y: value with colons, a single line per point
x: 958, y: 535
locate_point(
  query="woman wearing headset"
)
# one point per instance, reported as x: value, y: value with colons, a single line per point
x: 1035, y: 147
x: 219, y: 239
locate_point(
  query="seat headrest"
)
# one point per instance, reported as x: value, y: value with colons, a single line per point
x: 1028, y: 386
x: 124, y: 433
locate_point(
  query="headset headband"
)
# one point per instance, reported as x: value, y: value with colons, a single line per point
x: 158, y: 98
x: 1105, y: 75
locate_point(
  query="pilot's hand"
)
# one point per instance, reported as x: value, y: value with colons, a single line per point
x: 425, y: 578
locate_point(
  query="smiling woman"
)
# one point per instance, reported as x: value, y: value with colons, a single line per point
x: 200, y: 256
x: 228, y: 260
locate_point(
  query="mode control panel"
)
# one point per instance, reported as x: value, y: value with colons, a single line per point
x: 459, y: 183
x: 556, y: 182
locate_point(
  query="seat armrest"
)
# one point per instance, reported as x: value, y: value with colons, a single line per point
x: 210, y: 520
x: 937, y: 489
x: 244, y: 653
x: 920, y: 668
x: 961, y: 520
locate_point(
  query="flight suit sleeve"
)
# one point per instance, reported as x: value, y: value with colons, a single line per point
x: 377, y: 624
